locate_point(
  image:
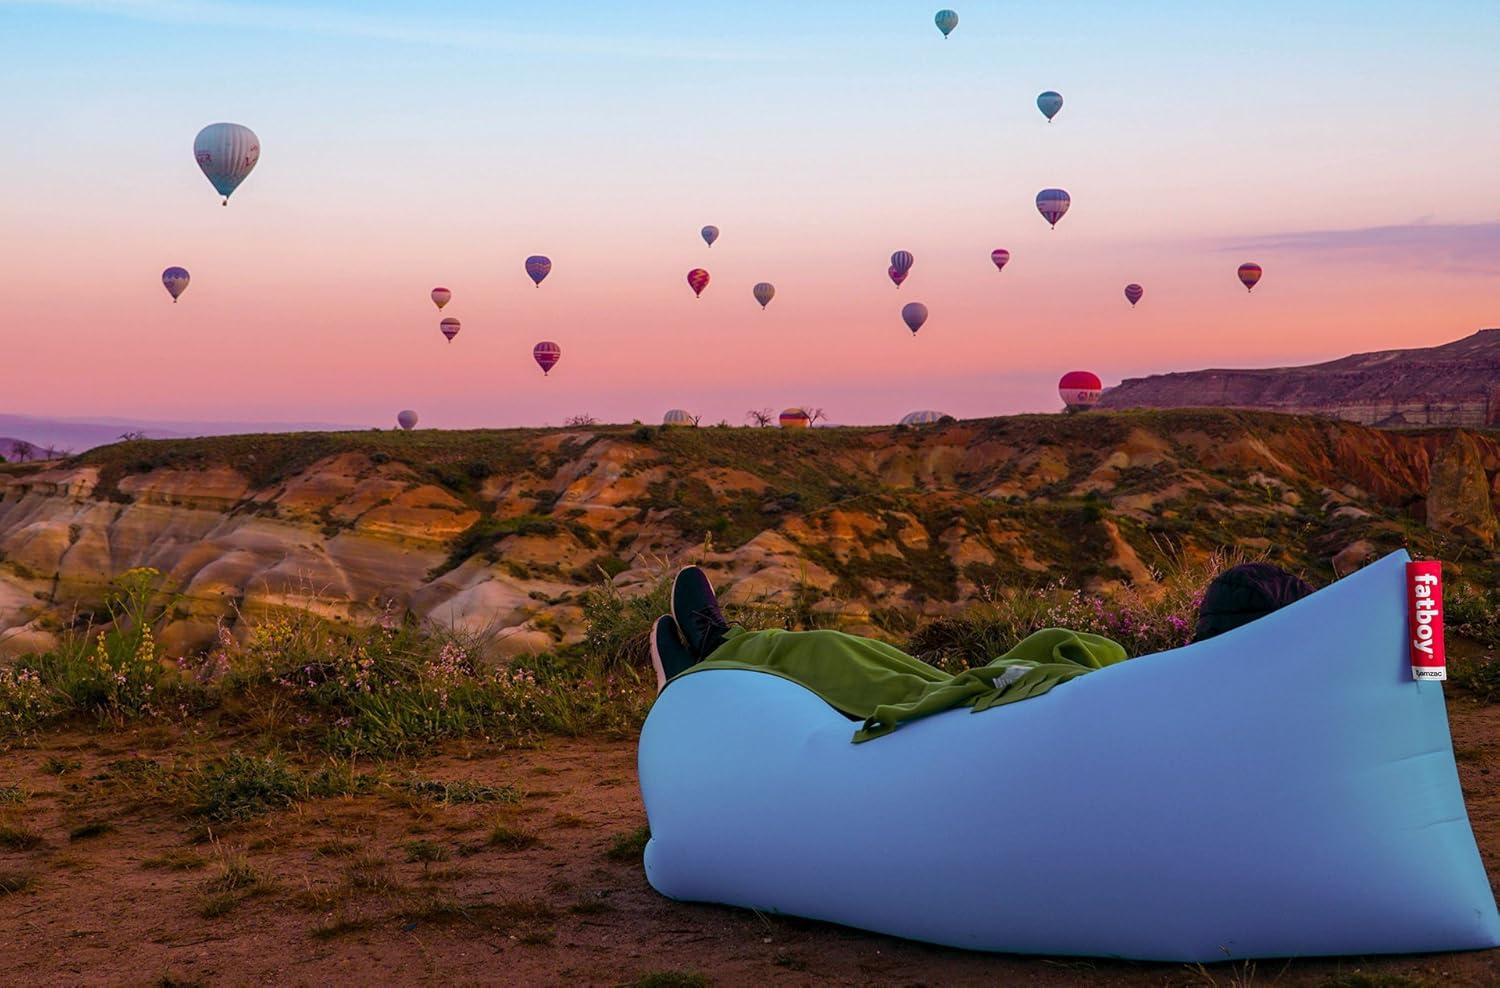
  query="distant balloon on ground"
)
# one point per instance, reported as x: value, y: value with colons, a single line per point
x: 710, y: 234
x: 1001, y: 258
x: 923, y: 418
x: 546, y: 354
x: 914, y: 314
x: 441, y: 296
x: 1250, y: 275
x: 764, y: 292
x: 176, y: 281
x: 407, y: 419
x: 227, y: 152
x: 450, y: 328
x: 946, y: 21
x: 1134, y: 293
x: 697, y: 279
x: 795, y: 418
x: 1049, y: 103
x: 1080, y: 390
x: 678, y: 417
x: 538, y: 267
x: 1052, y: 204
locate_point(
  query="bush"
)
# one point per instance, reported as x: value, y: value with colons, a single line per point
x: 1474, y: 612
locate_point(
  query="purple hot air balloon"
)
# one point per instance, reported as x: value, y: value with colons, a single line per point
x: 450, y: 327
x: 897, y: 277
x: 710, y: 234
x: 1052, y: 204
x: 914, y: 314
x: 538, y: 267
x: 1001, y: 258
x: 176, y: 281
x: 1134, y: 293
x: 546, y: 354
x: 902, y: 261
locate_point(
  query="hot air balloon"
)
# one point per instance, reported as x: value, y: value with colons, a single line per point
x: 698, y: 280
x: 1052, y: 204
x: 1080, y: 390
x: 546, y: 355
x: 227, y: 152
x: 1250, y: 275
x: 946, y: 21
x: 407, y: 419
x: 897, y: 276
x: 1001, y: 258
x: 176, y: 280
x: 914, y: 314
x: 450, y: 327
x: 1134, y: 294
x: 678, y: 417
x: 710, y: 234
x: 1049, y: 103
x: 764, y: 292
x: 795, y: 418
x: 923, y: 418
x: 440, y: 296
x: 538, y: 267
x: 902, y: 261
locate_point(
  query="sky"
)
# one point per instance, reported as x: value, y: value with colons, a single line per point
x: 1350, y: 148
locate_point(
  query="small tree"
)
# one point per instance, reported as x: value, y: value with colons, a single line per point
x: 131, y: 436
x: 580, y: 421
x: 760, y: 417
x: 815, y: 415
x: 20, y: 451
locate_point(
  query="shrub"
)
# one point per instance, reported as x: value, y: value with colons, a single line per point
x: 1474, y: 612
x: 240, y: 786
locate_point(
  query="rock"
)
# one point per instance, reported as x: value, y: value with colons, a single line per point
x: 1458, y: 495
x: 1352, y: 557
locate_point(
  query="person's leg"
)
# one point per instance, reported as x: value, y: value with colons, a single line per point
x: 668, y: 655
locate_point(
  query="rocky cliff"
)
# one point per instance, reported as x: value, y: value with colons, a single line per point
x: 504, y: 530
x: 1457, y: 384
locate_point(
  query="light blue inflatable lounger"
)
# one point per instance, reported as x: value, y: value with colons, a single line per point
x: 1282, y: 790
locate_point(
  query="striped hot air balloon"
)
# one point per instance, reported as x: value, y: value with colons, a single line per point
x: 1052, y: 204
x: 1049, y: 103
x: 946, y: 21
x: 710, y: 234
x: 538, y: 267
x: 764, y: 292
x: 227, y: 152
x: 176, y: 281
x: 441, y: 296
x: 1080, y: 390
x: 450, y: 328
x: 678, y: 417
x: 914, y: 314
x: 923, y: 418
x: 1134, y: 293
x: 902, y: 261
x: 546, y: 354
x: 1001, y: 258
x: 697, y: 279
x: 1250, y: 275
x: 795, y: 418
x: 406, y: 419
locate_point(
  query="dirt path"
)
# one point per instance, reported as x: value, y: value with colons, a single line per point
x: 392, y: 887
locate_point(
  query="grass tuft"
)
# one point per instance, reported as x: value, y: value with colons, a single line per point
x: 510, y: 838
x: 629, y: 847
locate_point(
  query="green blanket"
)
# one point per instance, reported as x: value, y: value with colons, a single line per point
x: 886, y: 687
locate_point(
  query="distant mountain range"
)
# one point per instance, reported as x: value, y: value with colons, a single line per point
x: 1456, y: 384
x: 77, y: 435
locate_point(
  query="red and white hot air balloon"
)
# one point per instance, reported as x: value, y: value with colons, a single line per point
x: 697, y: 279
x: 450, y: 327
x: 1250, y: 275
x: 1134, y: 293
x: 794, y: 418
x: 1001, y: 258
x: 1080, y: 390
x: 441, y: 296
x: 546, y: 354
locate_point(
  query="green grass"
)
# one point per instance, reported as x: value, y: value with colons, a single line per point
x: 461, y: 791
x: 629, y: 846
x: 241, y: 786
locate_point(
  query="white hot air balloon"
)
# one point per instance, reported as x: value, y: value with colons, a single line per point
x: 923, y: 418
x: 227, y: 152
x: 679, y: 417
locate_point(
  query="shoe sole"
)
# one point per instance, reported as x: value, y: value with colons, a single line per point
x: 656, y: 661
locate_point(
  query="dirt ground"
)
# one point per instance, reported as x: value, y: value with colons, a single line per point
x: 112, y: 887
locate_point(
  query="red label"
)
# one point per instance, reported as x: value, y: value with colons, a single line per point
x: 1424, y: 611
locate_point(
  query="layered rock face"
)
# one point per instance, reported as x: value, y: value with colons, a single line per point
x: 502, y: 532
x: 1457, y: 384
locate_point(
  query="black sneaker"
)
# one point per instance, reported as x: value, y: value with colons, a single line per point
x: 668, y: 655
x: 695, y: 608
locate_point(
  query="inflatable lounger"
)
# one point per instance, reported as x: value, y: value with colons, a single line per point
x: 1285, y: 789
